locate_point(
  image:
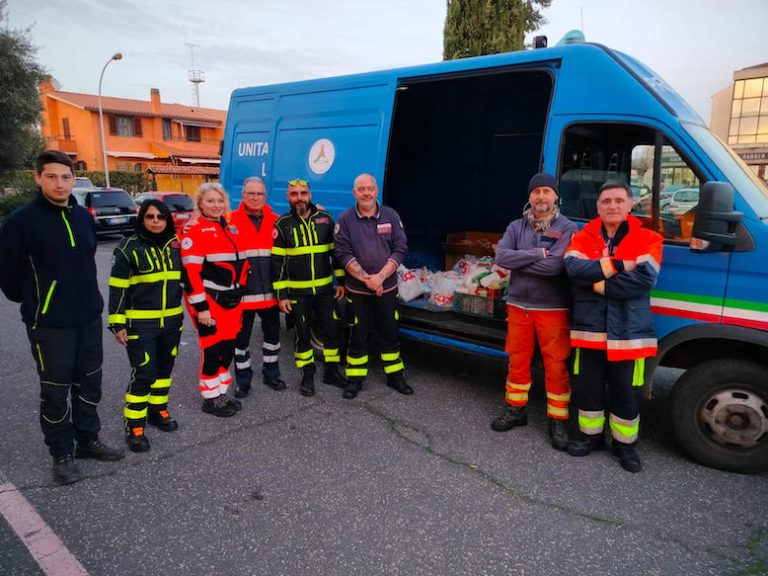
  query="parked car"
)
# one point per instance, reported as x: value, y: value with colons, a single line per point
x: 681, y: 201
x: 181, y: 205
x: 113, y: 209
x: 83, y: 182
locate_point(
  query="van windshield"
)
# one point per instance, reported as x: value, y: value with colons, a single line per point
x: 736, y: 172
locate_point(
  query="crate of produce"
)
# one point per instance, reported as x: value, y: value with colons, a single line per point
x: 479, y: 305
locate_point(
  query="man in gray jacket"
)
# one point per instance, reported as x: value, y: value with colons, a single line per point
x: 537, y: 307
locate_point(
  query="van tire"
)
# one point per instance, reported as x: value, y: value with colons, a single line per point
x: 719, y: 412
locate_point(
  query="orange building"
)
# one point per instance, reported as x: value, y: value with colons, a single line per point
x: 177, y: 145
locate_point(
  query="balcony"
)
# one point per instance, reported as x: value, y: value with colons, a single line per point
x: 65, y: 144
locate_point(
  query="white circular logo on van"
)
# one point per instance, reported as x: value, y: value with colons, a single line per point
x: 321, y: 156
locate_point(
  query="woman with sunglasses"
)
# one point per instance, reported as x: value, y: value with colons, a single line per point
x: 216, y: 267
x: 145, y: 315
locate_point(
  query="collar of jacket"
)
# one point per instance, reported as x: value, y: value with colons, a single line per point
x: 374, y: 217
x: 312, y: 210
x: 594, y: 226
x: 43, y: 201
x: 266, y: 211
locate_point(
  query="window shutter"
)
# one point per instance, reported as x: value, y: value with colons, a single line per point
x: 112, y: 125
x: 137, y: 126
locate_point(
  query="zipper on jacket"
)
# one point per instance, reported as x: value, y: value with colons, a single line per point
x: 236, y: 279
x: 69, y: 229
x: 306, y: 232
x: 48, y: 297
x: 37, y: 290
x: 164, y: 301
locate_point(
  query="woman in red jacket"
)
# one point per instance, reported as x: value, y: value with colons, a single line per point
x: 216, y: 269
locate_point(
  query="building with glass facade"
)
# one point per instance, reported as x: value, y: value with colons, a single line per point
x: 740, y: 116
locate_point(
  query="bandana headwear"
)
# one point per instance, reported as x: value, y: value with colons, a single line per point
x: 543, y: 179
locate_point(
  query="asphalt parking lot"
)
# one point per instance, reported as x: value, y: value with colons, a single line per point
x: 383, y: 484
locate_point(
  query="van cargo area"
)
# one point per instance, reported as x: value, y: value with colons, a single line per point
x: 461, y: 152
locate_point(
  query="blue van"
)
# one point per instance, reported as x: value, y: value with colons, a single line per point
x: 453, y: 145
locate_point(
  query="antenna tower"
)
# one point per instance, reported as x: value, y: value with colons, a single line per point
x: 196, y: 77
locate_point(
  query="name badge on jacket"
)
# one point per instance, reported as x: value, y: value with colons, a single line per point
x: 385, y: 228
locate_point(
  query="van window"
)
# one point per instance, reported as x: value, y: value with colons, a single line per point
x: 664, y: 192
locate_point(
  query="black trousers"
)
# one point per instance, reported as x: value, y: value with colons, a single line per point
x: 599, y: 385
x: 270, y: 346
x: 68, y: 362
x: 323, y: 308
x: 377, y: 314
x: 152, y: 354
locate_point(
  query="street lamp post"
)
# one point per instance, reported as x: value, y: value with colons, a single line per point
x: 116, y: 56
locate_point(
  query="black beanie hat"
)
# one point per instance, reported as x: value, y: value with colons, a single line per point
x: 543, y: 179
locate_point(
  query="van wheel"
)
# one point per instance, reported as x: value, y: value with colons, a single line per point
x: 719, y: 413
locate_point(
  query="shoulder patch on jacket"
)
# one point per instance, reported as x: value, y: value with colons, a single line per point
x: 186, y: 244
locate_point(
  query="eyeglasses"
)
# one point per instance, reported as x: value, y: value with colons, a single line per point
x: 155, y: 217
x: 297, y: 181
x: 253, y: 194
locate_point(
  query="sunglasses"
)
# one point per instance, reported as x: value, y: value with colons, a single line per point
x: 155, y: 217
x: 297, y: 181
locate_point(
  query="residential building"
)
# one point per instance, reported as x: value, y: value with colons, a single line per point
x: 177, y: 145
x: 740, y: 117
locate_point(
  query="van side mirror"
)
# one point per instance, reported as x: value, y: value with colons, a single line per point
x: 716, y: 220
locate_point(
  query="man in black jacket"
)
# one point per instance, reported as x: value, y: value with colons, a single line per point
x: 303, y: 271
x: 47, y: 264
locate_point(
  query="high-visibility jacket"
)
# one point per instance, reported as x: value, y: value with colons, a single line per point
x: 258, y: 249
x: 611, y: 307
x: 145, y: 283
x: 302, y: 254
x: 215, y: 265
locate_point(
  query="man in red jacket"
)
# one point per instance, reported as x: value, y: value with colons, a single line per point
x: 612, y: 263
x: 255, y: 220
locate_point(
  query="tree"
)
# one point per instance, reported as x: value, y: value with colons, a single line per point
x: 20, y: 106
x: 477, y: 27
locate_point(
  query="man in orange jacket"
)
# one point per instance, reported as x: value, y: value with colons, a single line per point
x: 613, y: 263
x: 256, y: 220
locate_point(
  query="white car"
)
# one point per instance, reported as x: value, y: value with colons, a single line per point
x: 681, y: 201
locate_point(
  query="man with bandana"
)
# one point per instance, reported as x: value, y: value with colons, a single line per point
x: 537, y: 307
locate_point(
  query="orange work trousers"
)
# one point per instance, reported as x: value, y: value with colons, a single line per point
x: 551, y: 329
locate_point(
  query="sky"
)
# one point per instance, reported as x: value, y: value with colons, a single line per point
x: 695, y: 45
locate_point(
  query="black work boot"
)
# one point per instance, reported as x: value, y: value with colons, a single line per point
x: 219, y: 407
x: 136, y: 440
x: 513, y: 416
x: 96, y: 449
x: 161, y: 419
x: 354, y: 385
x: 275, y: 382
x: 558, y: 433
x: 333, y: 377
x: 585, y: 443
x: 307, y: 386
x: 397, y: 382
x: 236, y: 404
x: 241, y: 392
x: 628, y: 457
x: 65, y: 470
